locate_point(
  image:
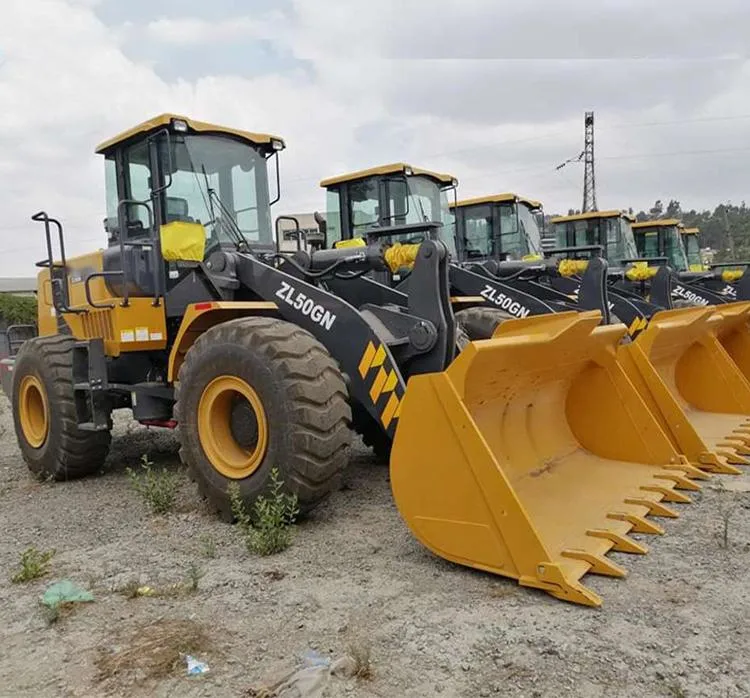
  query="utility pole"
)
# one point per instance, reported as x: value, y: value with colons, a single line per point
x: 589, y: 182
x: 587, y: 156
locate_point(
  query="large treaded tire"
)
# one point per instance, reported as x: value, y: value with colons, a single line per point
x: 67, y: 452
x: 303, y: 395
x: 480, y: 322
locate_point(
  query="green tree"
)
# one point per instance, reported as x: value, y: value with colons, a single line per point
x: 17, y: 310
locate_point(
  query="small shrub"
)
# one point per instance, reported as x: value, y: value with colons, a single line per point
x: 208, y: 546
x: 361, y: 653
x: 33, y: 564
x: 194, y: 576
x: 157, y: 488
x: 132, y: 589
x: 268, y: 529
x: 726, y: 516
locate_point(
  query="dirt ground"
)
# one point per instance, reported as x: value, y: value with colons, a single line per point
x: 679, y: 625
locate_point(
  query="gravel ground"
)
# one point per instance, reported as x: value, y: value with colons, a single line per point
x: 677, y: 626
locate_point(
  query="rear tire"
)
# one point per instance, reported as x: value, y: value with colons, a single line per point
x: 481, y: 322
x: 299, y: 413
x: 44, y: 413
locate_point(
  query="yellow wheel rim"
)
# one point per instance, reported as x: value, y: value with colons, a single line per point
x: 33, y: 411
x: 215, y: 409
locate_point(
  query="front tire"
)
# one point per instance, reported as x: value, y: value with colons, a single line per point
x: 260, y: 393
x: 44, y: 413
x: 480, y: 322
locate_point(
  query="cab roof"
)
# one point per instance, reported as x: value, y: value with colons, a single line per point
x: 592, y: 214
x: 660, y: 223
x: 165, y: 120
x: 691, y: 231
x: 495, y: 199
x: 394, y: 168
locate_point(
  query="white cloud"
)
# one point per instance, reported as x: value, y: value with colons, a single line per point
x: 192, y: 30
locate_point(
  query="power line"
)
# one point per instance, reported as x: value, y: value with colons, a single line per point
x: 637, y: 156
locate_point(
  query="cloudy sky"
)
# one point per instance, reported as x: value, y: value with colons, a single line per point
x: 490, y: 91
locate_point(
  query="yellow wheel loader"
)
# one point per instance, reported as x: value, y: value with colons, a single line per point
x: 531, y: 455
x: 692, y: 364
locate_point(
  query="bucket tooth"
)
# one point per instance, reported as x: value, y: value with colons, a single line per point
x: 668, y: 494
x: 654, y: 508
x: 680, y: 482
x: 639, y: 524
x: 740, y: 446
x: 714, y: 464
x: 599, y: 563
x: 732, y: 457
x: 742, y: 439
x: 551, y: 578
x: 689, y: 470
x: 621, y: 544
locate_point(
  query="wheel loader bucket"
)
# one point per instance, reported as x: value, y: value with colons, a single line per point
x: 734, y: 334
x: 693, y: 387
x: 533, y: 455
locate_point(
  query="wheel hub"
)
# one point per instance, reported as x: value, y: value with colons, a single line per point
x: 244, y: 424
x: 33, y: 411
x: 232, y: 427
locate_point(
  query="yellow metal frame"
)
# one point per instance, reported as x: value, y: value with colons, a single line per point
x: 139, y: 326
x: 496, y: 199
x: 592, y: 214
x: 164, y: 120
x: 200, y: 317
x: 394, y: 168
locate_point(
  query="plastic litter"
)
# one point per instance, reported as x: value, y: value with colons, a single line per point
x: 65, y: 592
x: 195, y: 666
x: 311, y: 681
x: 313, y: 658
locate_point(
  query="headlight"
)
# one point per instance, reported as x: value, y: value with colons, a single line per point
x: 408, y: 171
x: 454, y: 182
x: 277, y: 144
x: 179, y: 125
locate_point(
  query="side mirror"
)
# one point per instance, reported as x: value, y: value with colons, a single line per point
x: 322, y: 227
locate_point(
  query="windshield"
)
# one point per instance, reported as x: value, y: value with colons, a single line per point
x: 427, y: 201
x: 613, y: 233
x: 620, y: 243
x: 692, y: 250
x: 410, y: 200
x: 629, y: 247
x: 528, y: 223
x: 221, y: 183
x: 673, y: 249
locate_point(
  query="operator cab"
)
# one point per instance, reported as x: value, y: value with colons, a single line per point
x: 499, y: 227
x: 661, y: 238
x: 612, y: 230
x: 187, y: 189
x: 359, y: 203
